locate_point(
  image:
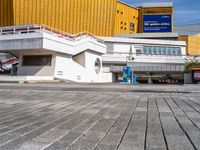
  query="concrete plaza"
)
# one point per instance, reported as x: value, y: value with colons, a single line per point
x: 70, y: 116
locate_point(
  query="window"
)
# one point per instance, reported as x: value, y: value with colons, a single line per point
x: 138, y: 51
x: 162, y: 50
x: 159, y: 50
x: 168, y: 51
x: 173, y: 51
x: 97, y: 65
x: 121, y: 22
x: 132, y: 26
x: 149, y: 51
x: 117, y: 11
x: 154, y: 50
x: 179, y: 51
x: 121, y: 12
x: 125, y: 23
x: 145, y: 50
x: 37, y: 60
x: 125, y: 28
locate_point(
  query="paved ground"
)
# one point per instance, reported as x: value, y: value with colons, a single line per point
x: 100, y: 117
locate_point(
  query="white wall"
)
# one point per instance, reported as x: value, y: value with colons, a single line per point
x: 67, y: 69
x: 90, y: 66
x: 80, y: 59
x: 123, y: 48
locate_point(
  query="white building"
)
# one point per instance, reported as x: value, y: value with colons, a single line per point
x: 46, y: 54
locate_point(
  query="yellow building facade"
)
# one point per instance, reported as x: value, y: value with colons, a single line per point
x: 72, y: 16
x: 193, y: 44
x: 98, y: 17
x: 126, y: 19
x: 6, y: 13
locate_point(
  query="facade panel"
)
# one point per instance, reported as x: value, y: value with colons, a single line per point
x: 6, y: 12
x: 96, y: 17
x: 193, y: 44
x: 126, y: 19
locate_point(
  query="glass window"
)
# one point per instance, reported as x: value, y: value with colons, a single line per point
x: 168, y: 51
x: 159, y: 50
x: 37, y: 60
x: 149, y: 50
x: 154, y: 50
x: 173, y: 51
x: 145, y: 50
x: 132, y: 26
x: 179, y: 51
x: 164, y: 51
x: 138, y: 51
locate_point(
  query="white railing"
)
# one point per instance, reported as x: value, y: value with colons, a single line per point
x: 27, y: 29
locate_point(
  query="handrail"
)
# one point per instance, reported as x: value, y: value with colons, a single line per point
x: 32, y: 28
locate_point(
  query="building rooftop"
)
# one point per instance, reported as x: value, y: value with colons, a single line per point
x: 162, y: 4
x: 188, y: 29
x: 142, y: 41
x: 127, y: 4
x: 149, y: 35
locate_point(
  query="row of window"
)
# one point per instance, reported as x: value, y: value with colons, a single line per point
x: 134, y: 17
x: 132, y: 26
x: 119, y: 11
x: 159, y: 50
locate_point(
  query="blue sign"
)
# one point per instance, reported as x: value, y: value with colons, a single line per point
x: 157, y: 23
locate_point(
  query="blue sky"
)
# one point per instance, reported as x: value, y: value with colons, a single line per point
x: 185, y: 11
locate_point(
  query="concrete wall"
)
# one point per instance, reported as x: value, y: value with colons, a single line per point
x: 80, y: 59
x: 36, y: 70
x: 67, y: 69
x: 91, y: 57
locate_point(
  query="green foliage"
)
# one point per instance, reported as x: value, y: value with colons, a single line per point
x: 191, y: 64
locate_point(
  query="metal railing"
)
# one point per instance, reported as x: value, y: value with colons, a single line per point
x: 27, y: 29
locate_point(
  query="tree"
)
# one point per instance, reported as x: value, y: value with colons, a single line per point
x: 191, y: 63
